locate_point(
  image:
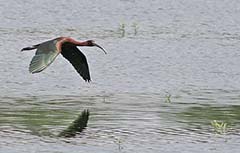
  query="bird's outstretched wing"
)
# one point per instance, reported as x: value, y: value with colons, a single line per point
x: 44, y: 56
x: 77, y: 59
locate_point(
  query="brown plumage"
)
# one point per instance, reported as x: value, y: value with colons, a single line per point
x: 48, y: 51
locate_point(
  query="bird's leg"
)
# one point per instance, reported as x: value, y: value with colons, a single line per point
x: 30, y: 48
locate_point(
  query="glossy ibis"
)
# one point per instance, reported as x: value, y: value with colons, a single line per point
x: 48, y: 51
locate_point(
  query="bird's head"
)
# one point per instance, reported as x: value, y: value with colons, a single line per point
x: 92, y: 43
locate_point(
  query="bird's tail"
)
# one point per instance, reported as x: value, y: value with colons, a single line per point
x: 29, y: 48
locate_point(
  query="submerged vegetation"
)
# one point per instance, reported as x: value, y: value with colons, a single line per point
x: 76, y: 126
x: 215, y: 119
x: 219, y: 126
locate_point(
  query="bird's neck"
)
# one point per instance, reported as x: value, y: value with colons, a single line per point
x: 77, y: 43
x: 82, y: 43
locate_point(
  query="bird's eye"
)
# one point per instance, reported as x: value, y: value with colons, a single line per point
x: 90, y: 42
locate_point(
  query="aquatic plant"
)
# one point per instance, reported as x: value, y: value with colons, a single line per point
x: 122, y: 29
x: 119, y: 143
x: 168, y: 98
x: 135, y: 27
x: 219, y: 126
x: 76, y: 126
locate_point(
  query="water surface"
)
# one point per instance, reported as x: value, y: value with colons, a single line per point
x: 188, y: 50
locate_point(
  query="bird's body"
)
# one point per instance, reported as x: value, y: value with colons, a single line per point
x: 48, y: 51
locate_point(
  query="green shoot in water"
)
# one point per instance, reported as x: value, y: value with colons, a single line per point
x: 135, y: 27
x: 168, y: 98
x: 119, y: 143
x: 219, y: 127
x: 122, y: 29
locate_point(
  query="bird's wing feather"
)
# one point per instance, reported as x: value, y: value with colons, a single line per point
x: 77, y: 59
x: 45, y: 55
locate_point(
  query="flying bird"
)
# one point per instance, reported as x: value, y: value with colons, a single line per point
x: 47, y: 52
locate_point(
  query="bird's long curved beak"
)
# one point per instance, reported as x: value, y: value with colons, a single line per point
x: 94, y: 44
